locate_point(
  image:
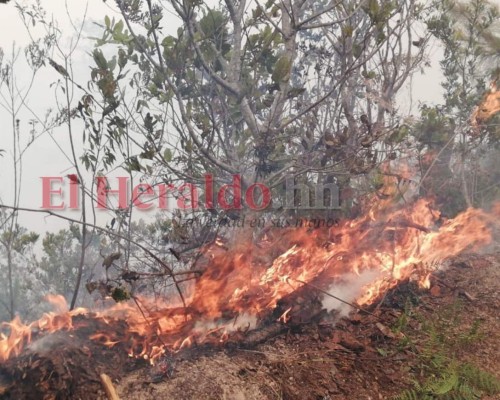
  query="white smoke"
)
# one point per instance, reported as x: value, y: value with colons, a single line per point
x: 348, y: 289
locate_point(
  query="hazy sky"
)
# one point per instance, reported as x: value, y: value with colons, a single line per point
x: 46, y: 156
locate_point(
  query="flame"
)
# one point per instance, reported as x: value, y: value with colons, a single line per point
x: 245, y: 281
x: 21, y: 334
x: 426, y: 282
x: 487, y: 108
x: 285, y: 317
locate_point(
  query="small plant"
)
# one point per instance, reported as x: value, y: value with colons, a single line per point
x: 474, y: 334
x: 454, y: 382
x: 445, y: 377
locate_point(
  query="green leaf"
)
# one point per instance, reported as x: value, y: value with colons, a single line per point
x: 347, y: 30
x: 168, y: 41
x: 213, y: 24
x: 112, y: 63
x: 257, y: 12
x: 148, y: 154
x: 133, y: 164
x: 445, y: 384
x: 141, y: 104
x: 122, y: 58
x: 167, y: 155
x: 118, y: 27
x: 99, y: 59
x: 382, y: 352
x: 120, y: 294
x: 282, y: 69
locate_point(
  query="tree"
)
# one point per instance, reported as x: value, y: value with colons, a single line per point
x: 31, y: 16
x: 459, y: 141
x: 264, y: 91
x: 59, y: 265
x: 16, y: 248
x: 13, y: 100
x: 260, y: 90
x: 281, y: 88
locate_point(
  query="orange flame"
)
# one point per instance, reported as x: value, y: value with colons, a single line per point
x: 488, y: 107
x: 245, y: 281
x: 285, y: 317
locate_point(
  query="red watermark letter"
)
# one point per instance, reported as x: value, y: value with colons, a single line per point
x: 190, y: 202
x: 163, y: 196
x: 74, y: 198
x: 142, y: 189
x: 250, y: 196
x: 236, y: 194
x: 209, y: 192
x: 104, y: 190
x: 47, y: 192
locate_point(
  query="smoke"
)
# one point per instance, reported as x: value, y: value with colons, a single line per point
x: 348, y: 289
x: 243, y: 322
x: 48, y: 343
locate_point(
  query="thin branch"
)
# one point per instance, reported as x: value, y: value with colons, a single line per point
x: 108, y: 232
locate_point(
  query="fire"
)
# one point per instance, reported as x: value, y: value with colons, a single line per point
x: 488, y: 107
x: 245, y: 281
x: 20, y: 333
x: 285, y: 317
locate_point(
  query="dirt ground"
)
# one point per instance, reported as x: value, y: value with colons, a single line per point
x: 411, y: 340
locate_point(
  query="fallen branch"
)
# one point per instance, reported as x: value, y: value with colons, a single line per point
x: 402, y: 223
x: 467, y: 295
x: 108, y: 387
x: 258, y: 336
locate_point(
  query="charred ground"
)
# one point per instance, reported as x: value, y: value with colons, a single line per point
x: 442, y: 342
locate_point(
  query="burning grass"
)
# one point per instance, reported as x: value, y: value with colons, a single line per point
x: 382, y: 353
x: 250, y: 291
x: 246, y: 282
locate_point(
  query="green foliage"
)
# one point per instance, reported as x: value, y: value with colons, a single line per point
x: 379, y: 13
x: 474, y: 334
x: 454, y: 382
x: 213, y: 83
x: 282, y: 69
x: 434, y: 128
x: 446, y: 378
x: 213, y: 25
x: 469, y: 61
x: 399, y: 135
x: 167, y: 155
x: 25, y: 240
x: 480, y: 379
x: 18, y: 238
x: 435, y: 133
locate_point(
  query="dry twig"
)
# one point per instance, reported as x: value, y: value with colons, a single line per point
x: 108, y: 387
